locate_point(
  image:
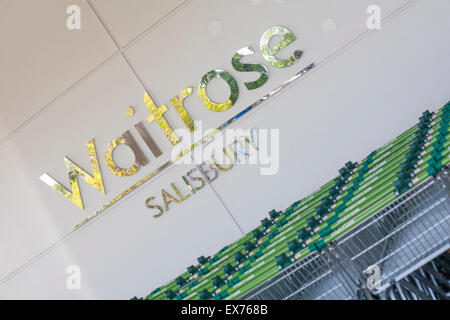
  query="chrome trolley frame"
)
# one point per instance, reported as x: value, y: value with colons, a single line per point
x: 398, y: 253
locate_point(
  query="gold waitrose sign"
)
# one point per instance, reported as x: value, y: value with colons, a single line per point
x: 156, y: 115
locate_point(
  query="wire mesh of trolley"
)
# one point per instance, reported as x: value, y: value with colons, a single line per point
x: 388, y: 256
x: 429, y: 282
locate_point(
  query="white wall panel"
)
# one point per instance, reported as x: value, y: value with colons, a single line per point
x: 356, y: 103
x: 40, y: 57
x: 127, y: 251
x: 128, y: 21
x: 180, y: 51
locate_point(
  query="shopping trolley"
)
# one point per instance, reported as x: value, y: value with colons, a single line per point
x: 396, y: 242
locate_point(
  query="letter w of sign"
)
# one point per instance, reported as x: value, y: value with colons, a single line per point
x: 75, y: 172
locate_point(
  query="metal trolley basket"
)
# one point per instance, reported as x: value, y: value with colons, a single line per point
x: 383, y: 257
